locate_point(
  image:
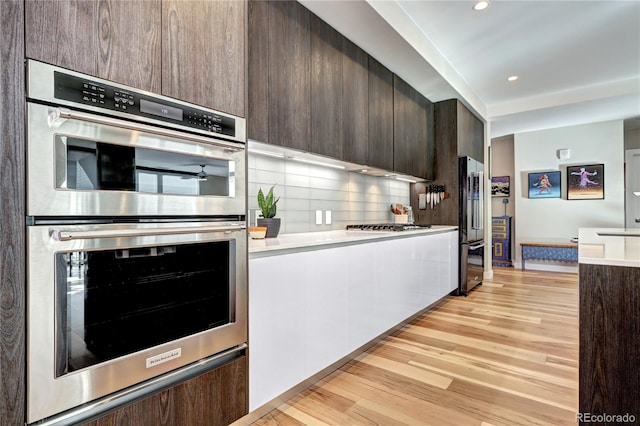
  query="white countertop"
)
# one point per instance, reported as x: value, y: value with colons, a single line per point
x: 318, y: 240
x: 609, y: 246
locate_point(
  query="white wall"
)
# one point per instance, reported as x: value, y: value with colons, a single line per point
x: 303, y: 188
x: 559, y: 218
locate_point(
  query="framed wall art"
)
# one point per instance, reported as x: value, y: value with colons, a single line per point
x: 545, y: 184
x: 500, y: 186
x: 585, y: 182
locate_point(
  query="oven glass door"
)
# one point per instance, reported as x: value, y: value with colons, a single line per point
x: 113, y: 305
x: 81, y: 164
x: 115, y: 302
x: 101, y: 166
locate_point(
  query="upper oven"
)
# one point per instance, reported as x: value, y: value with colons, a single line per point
x: 136, y: 242
x: 97, y: 149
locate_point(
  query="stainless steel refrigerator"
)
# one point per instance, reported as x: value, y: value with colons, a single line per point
x: 471, y: 224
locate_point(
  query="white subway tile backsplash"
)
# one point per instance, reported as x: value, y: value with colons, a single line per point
x: 298, y: 180
x: 267, y: 163
x: 297, y: 192
x: 304, y: 188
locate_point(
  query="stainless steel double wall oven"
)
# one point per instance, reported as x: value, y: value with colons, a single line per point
x: 136, y: 262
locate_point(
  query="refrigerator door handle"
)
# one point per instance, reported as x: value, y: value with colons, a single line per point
x: 480, y: 199
x: 476, y: 246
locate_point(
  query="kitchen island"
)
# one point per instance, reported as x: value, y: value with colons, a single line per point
x: 609, y: 275
x: 316, y: 299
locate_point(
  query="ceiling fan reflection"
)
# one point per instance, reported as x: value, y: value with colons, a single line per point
x: 201, y: 175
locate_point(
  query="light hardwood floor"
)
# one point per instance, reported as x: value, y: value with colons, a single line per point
x: 505, y: 355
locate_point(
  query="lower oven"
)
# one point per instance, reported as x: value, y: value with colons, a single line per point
x: 111, y: 305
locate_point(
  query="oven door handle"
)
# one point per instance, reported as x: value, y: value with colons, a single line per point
x: 61, y: 114
x: 65, y: 235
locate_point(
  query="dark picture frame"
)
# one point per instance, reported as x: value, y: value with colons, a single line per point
x: 546, y: 184
x: 585, y: 182
x: 500, y: 186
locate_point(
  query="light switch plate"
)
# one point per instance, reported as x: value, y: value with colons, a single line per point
x: 318, y: 217
x: 327, y: 217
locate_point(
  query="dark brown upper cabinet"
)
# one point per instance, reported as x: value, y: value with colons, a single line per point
x: 279, y: 110
x: 258, y: 71
x: 112, y: 39
x: 380, y: 116
x: 413, y: 138
x: 307, y: 83
x: 355, y: 103
x: 470, y: 133
x: 326, y: 90
x: 203, y: 51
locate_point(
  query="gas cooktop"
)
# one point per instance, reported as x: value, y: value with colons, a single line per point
x: 387, y: 227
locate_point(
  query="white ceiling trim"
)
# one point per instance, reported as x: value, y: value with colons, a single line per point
x: 401, y: 21
x: 566, y: 97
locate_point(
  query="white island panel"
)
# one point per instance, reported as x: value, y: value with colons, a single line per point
x: 310, y: 309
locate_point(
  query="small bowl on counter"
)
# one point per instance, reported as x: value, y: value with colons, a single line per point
x: 257, y: 232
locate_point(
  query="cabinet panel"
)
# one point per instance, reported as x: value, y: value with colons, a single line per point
x: 411, y: 144
x: 355, y: 103
x: 380, y: 147
x: 217, y: 397
x: 203, y: 53
x: 326, y: 89
x: 289, y: 74
x: 501, y: 239
x: 276, y: 326
x: 258, y: 71
x: 470, y: 133
x: 12, y: 244
x: 334, y: 300
x: 115, y: 40
x: 609, y: 319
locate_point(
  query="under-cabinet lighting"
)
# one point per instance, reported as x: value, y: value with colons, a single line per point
x: 481, y: 5
x: 318, y: 163
x: 364, y: 171
x: 267, y: 153
x: 406, y: 180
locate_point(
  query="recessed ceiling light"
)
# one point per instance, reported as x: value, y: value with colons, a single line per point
x: 481, y: 5
x: 512, y: 78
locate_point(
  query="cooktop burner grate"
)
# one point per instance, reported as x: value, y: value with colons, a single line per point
x: 387, y: 227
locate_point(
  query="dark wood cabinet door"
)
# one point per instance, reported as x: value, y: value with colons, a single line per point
x: 355, y: 103
x: 12, y: 200
x: 470, y: 133
x: 380, y: 146
x: 326, y: 89
x: 112, y: 39
x: 410, y: 132
x: 203, y: 51
x: 257, y: 71
x: 289, y: 76
x: 218, y: 397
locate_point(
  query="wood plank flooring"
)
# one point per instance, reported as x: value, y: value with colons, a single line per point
x: 505, y: 355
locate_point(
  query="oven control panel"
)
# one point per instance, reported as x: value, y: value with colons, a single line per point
x: 86, y: 91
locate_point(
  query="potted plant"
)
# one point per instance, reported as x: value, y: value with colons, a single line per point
x: 268, y: 206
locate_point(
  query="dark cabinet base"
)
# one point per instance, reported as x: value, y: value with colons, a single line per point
x: 609, y: 340
x: 218, y: 397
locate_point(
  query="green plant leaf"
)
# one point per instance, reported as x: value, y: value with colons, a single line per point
x: 267, y: 204
x: 270, y: 198
x: 261, y: 203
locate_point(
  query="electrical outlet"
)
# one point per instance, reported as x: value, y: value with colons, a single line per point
x: 327, y: 217
x: 318, y: 217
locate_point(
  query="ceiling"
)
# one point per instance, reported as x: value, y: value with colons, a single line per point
x: 577, y: 61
